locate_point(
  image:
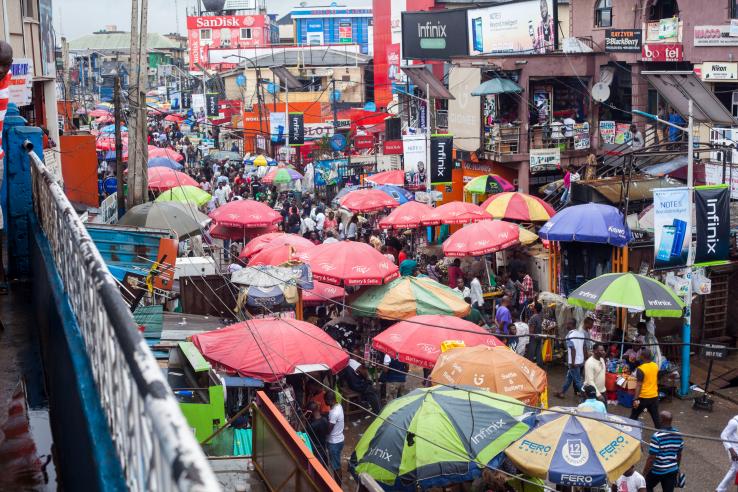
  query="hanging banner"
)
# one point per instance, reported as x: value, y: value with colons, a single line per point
x: 364, y: 142
x: 607, y: 132
x: 277, y: 126
x: 296, y: 129
x: 713, y: 224
x: 581, y: 136
x: 714, y: 176
x: 186, y: 100
x: 211, y: 105
x: 441, y: 148
x: 414, y: 159
x: 671, y: 226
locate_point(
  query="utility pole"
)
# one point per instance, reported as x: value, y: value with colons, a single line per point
x: 138, y: 148
x: 118, y: 144
x: 67, y: 82
x: 427, y: 144
x: 134, y: 103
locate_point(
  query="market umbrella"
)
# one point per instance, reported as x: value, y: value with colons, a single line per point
x: 401, y: 195
x: 165, y: 152
x: 174, y: 118
x: 588, y: 223
x: 276, y: 255
x: 628, y: 290
x: 526, y: 237
x: 518, y: 206
x: 281, y: 175
x: 245, y: 214
x: 406, y: 297
x: 433, y: 437
x: 186, y: 194
x: 275, y: 239
x: 418, y: 340
x: 102, y: 120
x: 367, y: 200
x: 490, y: 183
x: 350, y: 263
x: 96, y: 113
x: 271, y: 348
x: 570, y: 449
x: 322, y: 293
x: 219, y: 231
x: 407, y: 215
x: 111, y: 129
x: 396, y: 178
x: 260, y: 160
x: 345, y: 191
x: 183, y: 220
x: 455, y: 213
x: 163, y: 178
x: 495, y: 369
x: 481, y: 238
x: 165, y: 162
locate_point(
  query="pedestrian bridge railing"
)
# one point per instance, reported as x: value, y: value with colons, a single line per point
x: 155, y: 446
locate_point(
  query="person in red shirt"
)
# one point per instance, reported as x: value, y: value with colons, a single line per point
x: 404, y: 254
x: 6, y: 60
x: 454, y: 273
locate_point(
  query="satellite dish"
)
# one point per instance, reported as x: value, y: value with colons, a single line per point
x: 600, y: 92
x: 213, y: 5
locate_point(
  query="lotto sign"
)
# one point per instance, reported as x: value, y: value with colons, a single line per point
x: 607, y: 132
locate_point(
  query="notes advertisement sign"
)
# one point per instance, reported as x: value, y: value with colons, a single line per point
x: 671, y: 226
x: 712, y: 204
x: 441, y: 147
x: 296, y: 135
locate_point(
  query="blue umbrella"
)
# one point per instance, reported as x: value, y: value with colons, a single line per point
x: 398, y: 193
x: 111, y: 129
x: 165, y: 162
x: 588, y: 223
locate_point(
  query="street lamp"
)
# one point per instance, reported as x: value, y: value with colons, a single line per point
x: 687, y: 327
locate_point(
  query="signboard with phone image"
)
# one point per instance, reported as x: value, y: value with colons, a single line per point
x: 672, y: 227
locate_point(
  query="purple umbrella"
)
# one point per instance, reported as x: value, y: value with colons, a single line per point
x: 589, y: 223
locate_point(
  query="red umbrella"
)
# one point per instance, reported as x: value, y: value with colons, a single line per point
x: 163, y: 178
x: 96, y: 113
x: 245, y: 214
x: 165, y: 152
x: 322, y: 293
x: 175, y: 118
x: 271, y: 348
x: 367, y: 200
x: 395, y: 178
x: 276, y: 255
x: 108, y: 118
x: 418, y: 340
x: 275, y: 239
x: 107, y: 142
x: 488, y: 236
x: 407, y: 215
x: 239, y: 233
x: 350, y: 263
x: 455, y: 213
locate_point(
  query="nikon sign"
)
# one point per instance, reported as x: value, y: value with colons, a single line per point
x: 434, y: 35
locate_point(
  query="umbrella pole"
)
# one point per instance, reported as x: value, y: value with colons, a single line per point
x: 622, y: 340
x: 299, y: 306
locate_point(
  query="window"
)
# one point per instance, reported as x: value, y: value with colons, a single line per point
x: 29, y: 8
x: 246, y: 33
x: 734, y: 9
x: 603, y: 13
x: 206, y: 35
x: 663, y: 9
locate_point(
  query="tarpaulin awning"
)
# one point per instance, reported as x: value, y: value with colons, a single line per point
x: 679, y: 87
x: 497, y: 86
x: 609, y: 190
x: 424, y: 78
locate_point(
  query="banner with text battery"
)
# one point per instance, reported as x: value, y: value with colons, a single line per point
x: 713, y: 224
x: 672, y: 227
x: 441, y: 148
x: 296, y: 135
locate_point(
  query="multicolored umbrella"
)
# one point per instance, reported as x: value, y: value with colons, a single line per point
x: 406, y: 297
x: 350, y: 263
x: 282, y: 175
x: 570, y: 449
x: 186, y: 194
x: 396, y: 178
x: 418, y: 340
x: 490, y: 183
x: 165, y: 162
x: 455, y: 213
x: 495, y: 369
x: 275, y: 239
x: 518, y: 206
x: 260, y: 160
x: 245, y: 214
x: 406, y: 216
x: 629, y: 290
x: 367, y: 200
x: 481, y: 238
x: 588, y: 223
x: 433, y: 437
x: 163, y: 178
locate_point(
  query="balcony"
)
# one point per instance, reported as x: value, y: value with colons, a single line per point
x: 551, y: 136
x: 500, y: 140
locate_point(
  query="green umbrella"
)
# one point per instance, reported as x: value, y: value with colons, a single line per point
x: 628, y: 290
x: 437, y: 436
x: 410, y: 296
x: 186, y: 194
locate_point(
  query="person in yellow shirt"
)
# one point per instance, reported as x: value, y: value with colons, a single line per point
x: 647, y: 389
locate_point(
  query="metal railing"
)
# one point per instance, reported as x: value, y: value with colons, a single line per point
x: 503, y: 140
x: 550, y: 136
x: 155, y: 446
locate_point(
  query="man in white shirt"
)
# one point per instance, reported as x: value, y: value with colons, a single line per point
x: 730, y: 433
x: 630, y: 481
x: 335, y: 434
x: 594, y: 370
x: 522, y: 330
x: 220, y: 194
x: 319, y: 217
x: 576, y: 341
x: 461, y: 288
x: 476, y: 293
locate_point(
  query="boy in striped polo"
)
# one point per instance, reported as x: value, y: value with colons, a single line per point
x: 6, y: 60
x: 664, y: 456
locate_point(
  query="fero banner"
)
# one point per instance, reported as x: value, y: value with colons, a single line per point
x: 672, y: 227
x: 713, y: 224
x: 434, y: 35
x: 623, y: 40
x: 296, y: 135
x: 441, y: 149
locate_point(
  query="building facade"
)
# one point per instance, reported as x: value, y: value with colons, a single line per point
x: 333, y: 25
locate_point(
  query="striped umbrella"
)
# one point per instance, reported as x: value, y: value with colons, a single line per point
x: 438, y: 436
x: 490, y: 183
x: 567, y: 449
x: 282, y: 175
x: 410, y: 296
x: 518, y: 206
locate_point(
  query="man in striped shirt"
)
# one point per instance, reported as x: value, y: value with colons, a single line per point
x: 664, y: 456
x: 6, y: 60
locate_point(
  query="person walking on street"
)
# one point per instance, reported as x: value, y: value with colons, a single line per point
x: 335, y: 435
x: 394, y: 376
x: 575, y: 355
x: 664, y: 456
x: 503, y: 318
x: 535, y: 327
x: 730, y: 433
x: 647, y: 389
x: 594, y: 370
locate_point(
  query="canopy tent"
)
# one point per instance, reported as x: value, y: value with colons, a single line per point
x: 497, y: 85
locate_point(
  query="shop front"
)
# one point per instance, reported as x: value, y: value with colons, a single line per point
x: 559, y: 113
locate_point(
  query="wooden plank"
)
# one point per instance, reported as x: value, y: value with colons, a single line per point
x: 194, y: 357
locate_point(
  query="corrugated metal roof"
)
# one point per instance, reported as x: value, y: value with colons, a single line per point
x: 424, y: 78
x: 311, y: 56
x: 119, y: 41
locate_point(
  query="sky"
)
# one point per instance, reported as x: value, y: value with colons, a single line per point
x: 162, y: 14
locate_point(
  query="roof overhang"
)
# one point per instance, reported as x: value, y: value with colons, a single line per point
x: 425, y: 80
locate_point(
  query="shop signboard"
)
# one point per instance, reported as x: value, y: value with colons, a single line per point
x: 415, y: 156
x: 392, y: 147
x: 714, y: 36
x: 463, y: 111
x: 314, y: 34
x: 623, y: 40
x: 316, y: 131
x: 719, y: 71
x: 712, y: 244
x: 622, y: 133
x: 436, y: 35
x: 544, y: 159
x: 607, y: 132
x: 21, y: 85
x: 714, y: 176
x: 714, y: 351
x: 671, y: 226
x: 364, y: 141
x: 296, y: 129
x: 212, y: 102
x: 515, y: 28
x: 345, y: 31
x: 671, y: 52
x: 441, y: 150
x: 668, y: 28
x: 581, y: 136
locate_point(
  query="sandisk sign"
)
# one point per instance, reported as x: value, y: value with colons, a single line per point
x: 662, y: 52
x: 217, y: 22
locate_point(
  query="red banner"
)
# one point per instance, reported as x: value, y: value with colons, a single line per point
x: 363, y: 141
x: 392, y: 147
x: 662, y: 52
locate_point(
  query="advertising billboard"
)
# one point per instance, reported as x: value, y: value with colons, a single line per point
x: 623, y: 40
x: 415, y: 157
x: 712, y: 246
x: 434, y: 35
x: 672, y: 227
x: 205, y: 33
x: 513, y: 28
x: 441, y: 150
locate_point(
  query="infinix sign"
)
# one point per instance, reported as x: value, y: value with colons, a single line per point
x: 433, y: 35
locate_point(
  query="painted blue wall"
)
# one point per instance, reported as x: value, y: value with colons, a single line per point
x: 330, y: 24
